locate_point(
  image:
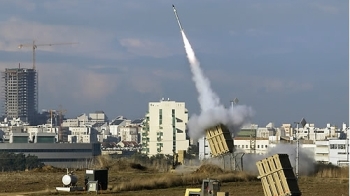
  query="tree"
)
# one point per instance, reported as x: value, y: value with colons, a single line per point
x: 6, y: 161
x: 19, y: 162
x: 32, y: 162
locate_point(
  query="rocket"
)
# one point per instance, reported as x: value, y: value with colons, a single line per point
x: 177, y: 18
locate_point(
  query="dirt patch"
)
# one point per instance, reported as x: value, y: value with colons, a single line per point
x: 138, y: 166
x: 209, y: 169
x: 48, y: 168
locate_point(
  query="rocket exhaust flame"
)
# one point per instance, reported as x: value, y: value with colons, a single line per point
x: 212, y: 111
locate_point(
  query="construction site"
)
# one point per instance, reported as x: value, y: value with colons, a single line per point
x: 20, y: 93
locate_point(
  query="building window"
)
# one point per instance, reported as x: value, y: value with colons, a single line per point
x: 333, y: 146
x: 258, y: 146
x: 246, y: 146
x: 160, y: 116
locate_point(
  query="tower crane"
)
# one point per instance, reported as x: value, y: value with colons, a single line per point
x: 34, y: 46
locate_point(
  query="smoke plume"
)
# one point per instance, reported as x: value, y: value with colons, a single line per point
x: 306, y: 158
x: 212, y: 111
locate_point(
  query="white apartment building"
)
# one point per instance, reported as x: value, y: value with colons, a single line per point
x: 116, y: 124
x: 165, y: 128
x: 71, y: 122
x: 310, y: 132
x: 263, y: 132
x: 244, y: 145
x: 82, y: 135
x: 129, y: 133
x: 98, y: 116
x: 241, y: 145
x: 139, y: 124
x: 83, y: 119
x: 86, y: 119
x: 338, y: 152
x: 332, y: 151
x: 288, y: 130
x: 322, y: 151
x: 204, y: 149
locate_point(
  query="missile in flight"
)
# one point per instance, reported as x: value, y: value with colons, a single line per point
x: 177, y: 18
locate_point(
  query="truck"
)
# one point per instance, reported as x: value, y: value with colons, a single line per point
x: 210, y: 187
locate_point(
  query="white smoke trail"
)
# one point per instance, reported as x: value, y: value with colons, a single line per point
x: 207, y: 98
x: 212, y: 112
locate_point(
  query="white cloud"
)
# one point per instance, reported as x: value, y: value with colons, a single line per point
x: 276, y: 50
x: 169, y: 75
x: 144, y: 47
x: 249, y: 32
x: 326, y: 8
x: 280, y: 85
x: 79, y: 84
x: 92, y: 42
x: 256, y: 32
x: 88, y: 86
x: 233, y: 32
x: 257, y: 83
x: 144, y: 81
x: 26, y: 5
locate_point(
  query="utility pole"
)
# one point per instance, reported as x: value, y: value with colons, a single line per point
x: 347, y: 144
x: 297, y: 153
x: 233, y: 157
x: 302, y: 123
x: 347, y: 150
x: 233, y: 103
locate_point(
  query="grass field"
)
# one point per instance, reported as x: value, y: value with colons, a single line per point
x: 127, y: 180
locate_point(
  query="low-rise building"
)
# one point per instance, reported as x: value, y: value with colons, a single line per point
x: 82, y: 135
x: 61, y: 155
x: 245, y: 145
x: 322, y: 151
x: 129, y: 133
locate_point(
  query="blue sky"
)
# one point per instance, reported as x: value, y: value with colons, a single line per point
x: 285, y: 59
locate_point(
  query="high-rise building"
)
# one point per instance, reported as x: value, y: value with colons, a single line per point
x: 164, y: 131
x: 20, y: 93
